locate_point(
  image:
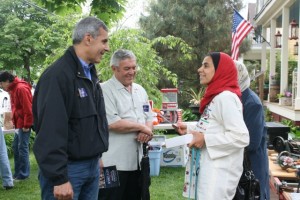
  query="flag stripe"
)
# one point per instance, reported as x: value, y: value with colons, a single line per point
x: 240, y: 29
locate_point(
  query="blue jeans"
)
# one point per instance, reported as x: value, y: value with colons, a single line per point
x: 83, y: 176
x: 21, y: 154
x: 4, y: 163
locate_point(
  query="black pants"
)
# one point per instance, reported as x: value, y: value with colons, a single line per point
x: 129, y: 188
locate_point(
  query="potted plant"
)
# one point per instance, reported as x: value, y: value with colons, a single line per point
x: 195, y: 99
x: 285, y: 99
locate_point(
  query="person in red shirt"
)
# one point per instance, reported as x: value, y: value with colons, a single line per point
x: 21, y: 105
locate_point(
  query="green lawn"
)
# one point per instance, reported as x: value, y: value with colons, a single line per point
x: 24, y: 190
x: 168, y: 185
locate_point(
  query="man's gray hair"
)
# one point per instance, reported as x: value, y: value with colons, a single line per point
x: 89, y: 25
x: 119, y: 55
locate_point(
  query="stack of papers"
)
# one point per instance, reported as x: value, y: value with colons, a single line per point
x: 179, y: 140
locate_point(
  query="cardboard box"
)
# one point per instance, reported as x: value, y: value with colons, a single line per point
x: 175, y: 156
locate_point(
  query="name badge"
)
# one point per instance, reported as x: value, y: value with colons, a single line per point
x: 82, y: 92
x: 146, y: 108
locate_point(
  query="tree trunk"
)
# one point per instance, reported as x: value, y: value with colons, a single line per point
x: 27, y: 68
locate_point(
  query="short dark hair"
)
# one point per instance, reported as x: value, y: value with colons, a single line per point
x: 6, y: 76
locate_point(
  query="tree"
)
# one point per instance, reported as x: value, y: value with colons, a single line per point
x: 28, y: 35
x: 107, y: 10
x: 149, y: 63
x: 203, y: 25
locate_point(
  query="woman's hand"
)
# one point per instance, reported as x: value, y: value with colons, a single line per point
x: 180, y: 128
x: 198, y: 140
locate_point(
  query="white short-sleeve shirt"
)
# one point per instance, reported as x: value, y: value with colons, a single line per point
x: 124, y: 150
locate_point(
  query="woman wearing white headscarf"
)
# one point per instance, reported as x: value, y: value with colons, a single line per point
x: 253, y: 113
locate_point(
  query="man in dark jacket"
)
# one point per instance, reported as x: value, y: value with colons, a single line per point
x: 70, y: 118
x: 21, y: 103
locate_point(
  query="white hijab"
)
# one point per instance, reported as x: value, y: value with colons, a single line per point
x: 243, y: 76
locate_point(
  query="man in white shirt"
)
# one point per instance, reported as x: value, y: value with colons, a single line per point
x: 129, y: 118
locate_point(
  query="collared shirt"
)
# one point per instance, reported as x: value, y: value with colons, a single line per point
x: 124, y: 150
x: 86, y: 68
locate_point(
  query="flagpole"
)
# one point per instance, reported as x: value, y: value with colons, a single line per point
x: 264, y: 39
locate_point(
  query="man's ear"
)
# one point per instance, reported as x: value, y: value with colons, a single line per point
x: 87, y: 38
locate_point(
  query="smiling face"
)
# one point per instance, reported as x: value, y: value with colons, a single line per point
x: 206, y: 71
x: 126, y: 71
x: 97, y: 46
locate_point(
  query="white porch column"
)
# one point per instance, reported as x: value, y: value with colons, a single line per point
x: 297, y: 99
x: 272, y: 53
x: 264, y: 50
x: 284, y: 50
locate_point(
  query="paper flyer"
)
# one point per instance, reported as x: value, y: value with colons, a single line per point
x: 179, y: 140
x: 109, y: 177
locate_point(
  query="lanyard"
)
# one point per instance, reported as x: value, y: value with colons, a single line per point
x: 194, y: 157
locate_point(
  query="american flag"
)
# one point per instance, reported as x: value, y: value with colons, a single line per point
x: 240, y: 29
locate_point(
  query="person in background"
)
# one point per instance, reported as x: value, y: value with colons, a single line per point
x: 220, y: 135
x: 130, y: 124
x: 6, y: 175
x: 254, y: 118
x: 70, y: 118
x: 21, y: 104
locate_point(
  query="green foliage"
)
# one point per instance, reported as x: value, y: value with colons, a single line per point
x: 27, y: 37
x: 196, y: 96
x: 150, y: 64
x: 203, y: 25
x: 292, y: 65
x: 268, y: 115
x: 57, y: 38
x: 9, y: 138
x: 107, y: 10
x: 294, y: 130
x: 253, y: 67
x: 187, y: 115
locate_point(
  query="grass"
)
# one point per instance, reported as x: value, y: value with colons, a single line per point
x: 168, y: 185
x: 28, y: 189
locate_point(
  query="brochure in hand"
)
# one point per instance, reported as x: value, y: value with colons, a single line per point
x: 179, y: 140
x: 109, y: 177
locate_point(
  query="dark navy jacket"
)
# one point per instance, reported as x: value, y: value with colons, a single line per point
x: 257, y: 150
x: 69, y: 117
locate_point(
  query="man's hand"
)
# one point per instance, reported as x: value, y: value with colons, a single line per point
x: 63, y: 192
x: 143, y: 138
x: 25, y: 129
x: 147, y: 130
